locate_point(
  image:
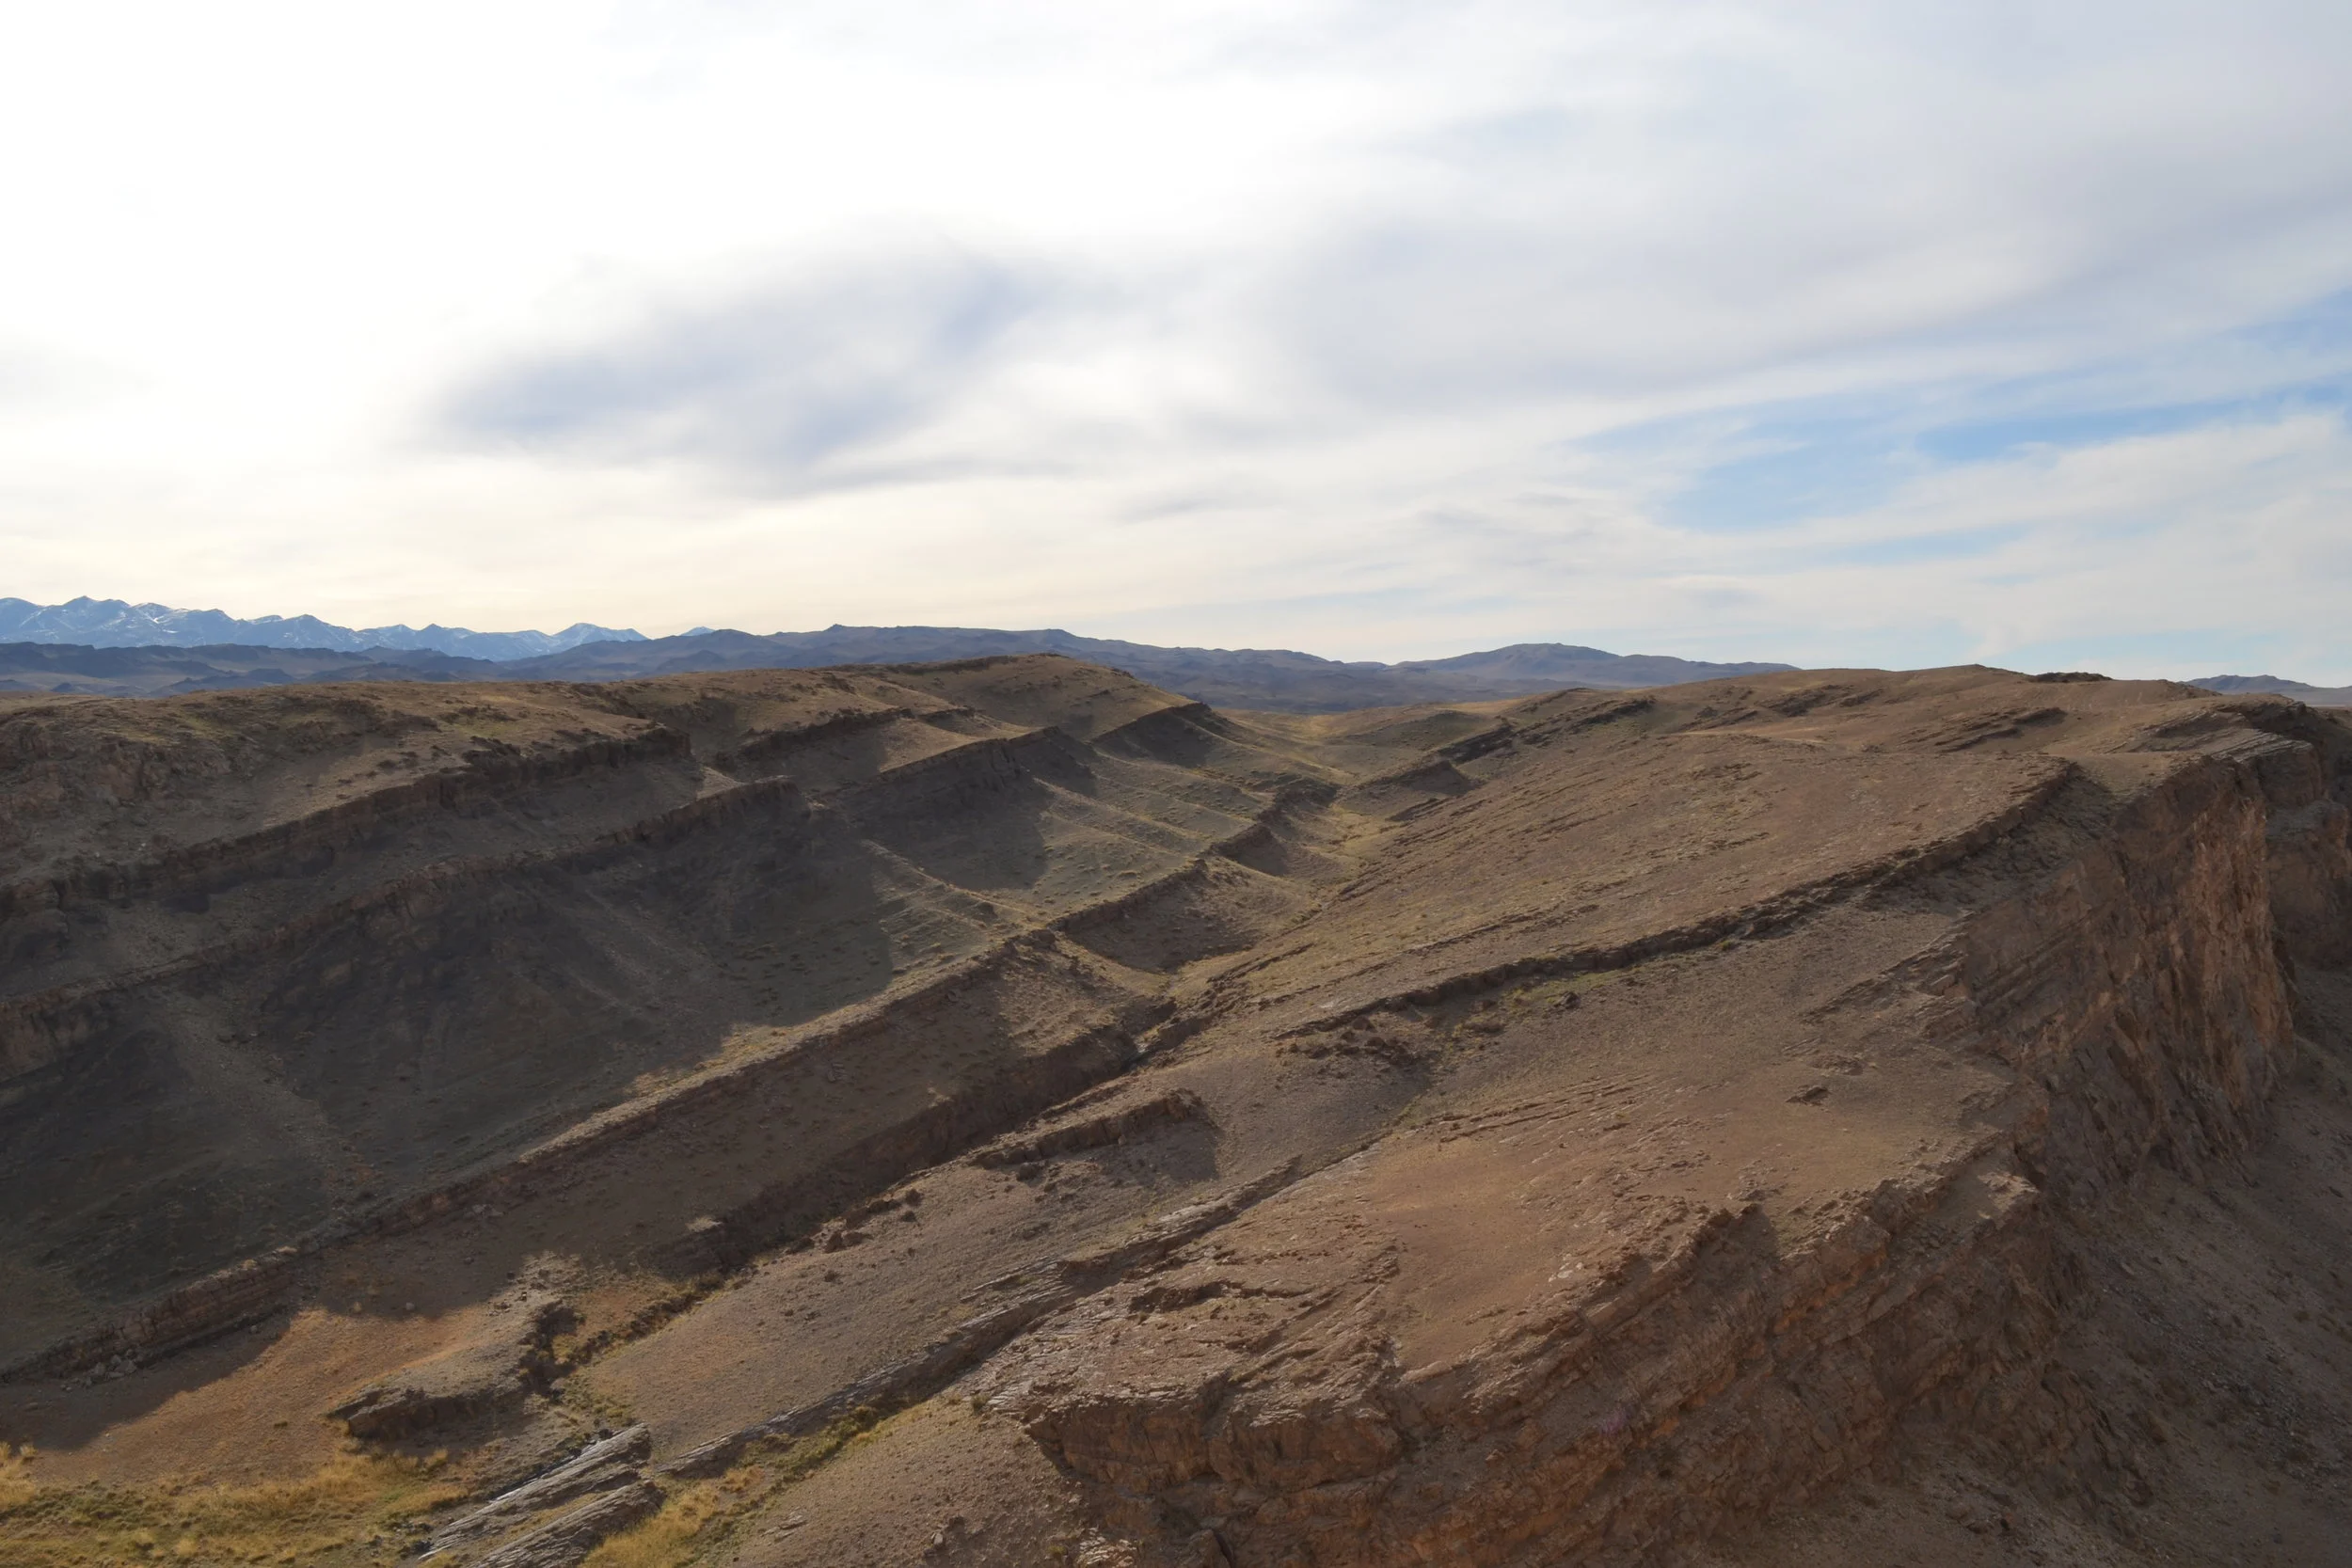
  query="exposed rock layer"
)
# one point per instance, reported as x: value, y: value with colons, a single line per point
x: 1566, y: 1131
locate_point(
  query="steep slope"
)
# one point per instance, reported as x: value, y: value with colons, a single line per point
x: 1568, y: 1130
x: 288, y: 957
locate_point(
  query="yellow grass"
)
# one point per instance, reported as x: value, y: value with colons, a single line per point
x: 347, y: 1512
x: 698, y: 1520
x: 671, y: 1538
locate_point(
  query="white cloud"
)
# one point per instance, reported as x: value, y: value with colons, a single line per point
x: 2178, y: 535
x: 1385, y: 330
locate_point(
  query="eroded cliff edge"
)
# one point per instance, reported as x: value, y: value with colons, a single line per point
x: 1569, y: 1130
x: 1601, y: 1361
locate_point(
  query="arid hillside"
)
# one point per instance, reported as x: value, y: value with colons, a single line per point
x: 999, y: 1112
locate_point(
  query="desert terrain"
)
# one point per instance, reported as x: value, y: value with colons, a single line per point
x: 1002, y: 1111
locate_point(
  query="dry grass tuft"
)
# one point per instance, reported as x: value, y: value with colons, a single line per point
x: 698, y: 1520
x: 671, y: 1538
x: 351, y: 1512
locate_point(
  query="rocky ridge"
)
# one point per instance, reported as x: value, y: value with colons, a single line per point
x: 1565, y: 1130
x: 169, y: 662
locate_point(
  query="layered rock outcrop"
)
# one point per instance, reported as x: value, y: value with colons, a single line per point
x: 330, y: 965
x: 1321, y: 1385
x: 1563, y: 1131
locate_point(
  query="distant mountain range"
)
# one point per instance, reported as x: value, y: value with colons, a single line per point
x: 1245, y: 677
x: 2320, y: 696
x: 1224, y: 678
x: 118, y: 623
x: 109, y: 647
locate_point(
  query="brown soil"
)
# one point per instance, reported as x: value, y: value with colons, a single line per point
x: 999, y: 1112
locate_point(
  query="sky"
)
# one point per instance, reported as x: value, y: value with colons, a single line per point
x: 1900, y: 333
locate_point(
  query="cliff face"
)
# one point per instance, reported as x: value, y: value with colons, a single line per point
x: 1571, y: 1131
x: 1526, y: 1333
x: 1683, y: 1363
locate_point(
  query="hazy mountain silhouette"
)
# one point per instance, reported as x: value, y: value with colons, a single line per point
x: 118, y: 623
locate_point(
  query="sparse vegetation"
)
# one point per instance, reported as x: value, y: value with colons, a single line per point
x: 354, y: 1511
x: 1541, y: 1071
x: 699, y: 1519
x: 671, y: 1538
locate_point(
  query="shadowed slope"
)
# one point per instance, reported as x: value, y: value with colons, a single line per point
x: 287, y: 956
x: 1550, y: 1131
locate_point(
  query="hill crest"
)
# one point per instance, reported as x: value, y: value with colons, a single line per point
x: 1279, y: 679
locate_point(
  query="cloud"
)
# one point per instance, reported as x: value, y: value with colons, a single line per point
x: 1825, y: 331
x: 2104, y: 549
x: 781, y: 376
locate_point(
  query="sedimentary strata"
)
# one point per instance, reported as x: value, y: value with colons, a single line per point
x: 1566, y: 1129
